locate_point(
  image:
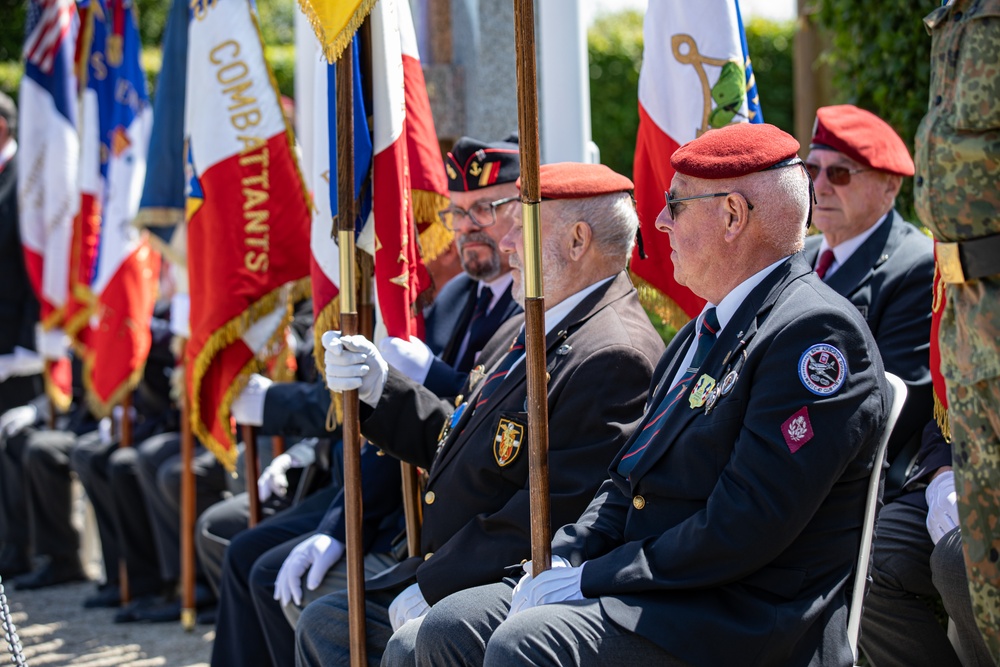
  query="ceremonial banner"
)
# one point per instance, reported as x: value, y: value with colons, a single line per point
x: 127, y: 269
x: 48, y: 157
x: 161, y: 207
x: 400, y: 275
x: 247, y: 215
x: 695, y: 75
x: 335, y: 22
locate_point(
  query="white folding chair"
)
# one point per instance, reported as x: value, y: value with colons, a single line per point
x: 871, y: 509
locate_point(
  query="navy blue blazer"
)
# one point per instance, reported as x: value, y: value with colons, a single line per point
x: 733, y: 540
x: 889, y: 278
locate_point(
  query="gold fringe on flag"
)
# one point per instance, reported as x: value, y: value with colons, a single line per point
x: 435, y: 237
x: 60, y: 400
x: 335, y: 24
x: 657, y: 302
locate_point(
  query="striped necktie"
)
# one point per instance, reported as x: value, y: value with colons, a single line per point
x: 706, y: 338
x: 496, y: 377
x: 479, y: 331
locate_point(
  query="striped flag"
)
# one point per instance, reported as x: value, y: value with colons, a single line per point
x: 247, y: 216
x: 48, y: 193
x: 695, y: 75
x: 126, y: 269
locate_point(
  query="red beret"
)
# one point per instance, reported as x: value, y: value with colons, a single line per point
x: 863, y: 137
x: 576, y: 180
x: 734, y: 150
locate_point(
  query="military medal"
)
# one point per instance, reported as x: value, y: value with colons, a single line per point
x: 449, y: 424
x: 713, y: 397
x: 476, y: 375
x: 700, y: 392
x: 729, y: 382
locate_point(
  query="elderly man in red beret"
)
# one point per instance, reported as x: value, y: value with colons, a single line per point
x: 729, y: 525
x: 869, y: 254
x: 601, y: 350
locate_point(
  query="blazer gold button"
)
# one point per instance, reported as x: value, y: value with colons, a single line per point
x: 429, y: 497
x: 427, y: 557
x: 638, y: 502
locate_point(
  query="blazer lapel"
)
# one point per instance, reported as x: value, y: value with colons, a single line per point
x: 859, y: 267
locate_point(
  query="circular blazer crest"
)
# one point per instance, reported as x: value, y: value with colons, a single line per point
x: 822, y: 369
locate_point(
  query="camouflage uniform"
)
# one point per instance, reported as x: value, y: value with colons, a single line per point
x: 958, y: 198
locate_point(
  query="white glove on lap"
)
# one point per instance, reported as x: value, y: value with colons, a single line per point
x: 408, y: 605
x: 51, y: 344
x: 17, y: 419
x: 412, y: 358
x: 942, y: 508
x: 248, y: 408
x: 561, y: 583
x: 353, y: 362
x: 317, y: 553
x: 274, y: 479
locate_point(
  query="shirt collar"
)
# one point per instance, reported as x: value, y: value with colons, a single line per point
x: 843, y: 251
x: 7, y: 152
x: 732, y: 301
x: 557, y: 313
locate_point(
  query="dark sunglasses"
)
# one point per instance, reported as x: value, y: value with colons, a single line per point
x: 835, y: 174
x: 672, y: 215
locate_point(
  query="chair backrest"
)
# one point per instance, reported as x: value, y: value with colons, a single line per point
x: 871, y: 509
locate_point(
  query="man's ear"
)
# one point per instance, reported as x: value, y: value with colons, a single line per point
x: 580, y: 239
x: 737, y: 215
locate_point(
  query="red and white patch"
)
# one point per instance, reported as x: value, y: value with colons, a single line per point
x: 797, y: 429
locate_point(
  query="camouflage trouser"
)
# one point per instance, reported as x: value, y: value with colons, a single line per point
x: 974, y: 413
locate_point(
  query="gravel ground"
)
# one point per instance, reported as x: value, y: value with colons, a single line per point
x: 55, y: 629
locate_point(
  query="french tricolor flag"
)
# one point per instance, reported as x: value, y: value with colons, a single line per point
x: 695, y: 76
x: 48, y: 159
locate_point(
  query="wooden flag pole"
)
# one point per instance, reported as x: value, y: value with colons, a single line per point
x: 252, y: 467
x: 534, y: 299
x: 124, y: 441
x: 344, y: 226
x: 188, y: 511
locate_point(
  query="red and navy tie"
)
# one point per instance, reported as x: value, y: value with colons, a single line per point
x: 706, y: 338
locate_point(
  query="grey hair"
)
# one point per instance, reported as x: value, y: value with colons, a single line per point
x: 781, y: 205
x: 612, y: 219
x: 8, y: 111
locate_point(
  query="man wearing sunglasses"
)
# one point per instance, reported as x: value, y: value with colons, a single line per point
x: 869, y: 254
x: 470, y: 307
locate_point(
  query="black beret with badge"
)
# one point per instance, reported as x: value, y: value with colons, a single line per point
x: 473, y: 164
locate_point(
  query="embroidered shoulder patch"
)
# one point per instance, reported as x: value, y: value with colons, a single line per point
x: 822, y: 369
x: 797, y: 429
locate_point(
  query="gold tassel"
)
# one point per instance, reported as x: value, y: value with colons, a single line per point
x: 335, y: 45
x: 656, y: 301
x: 941, y: 417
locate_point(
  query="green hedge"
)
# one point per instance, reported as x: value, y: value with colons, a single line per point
x: 881, y: 62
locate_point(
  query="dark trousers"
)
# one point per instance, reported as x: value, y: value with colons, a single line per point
x: 159, y: 473
x: 15, y: 531
x: 239, y: 640
x: 109, y: 474
x: 48, y: 482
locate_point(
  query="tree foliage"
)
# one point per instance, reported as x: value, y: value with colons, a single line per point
x: 615, y: 49
x: 881, y: 62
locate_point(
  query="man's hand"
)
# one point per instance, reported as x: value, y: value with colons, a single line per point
x: 248, y: 408
x: 942, y: 505
x: 274, y: 479
x: 561, y: 583
x: 411, y: 357
x: 317, y: 553
x: 353, y: 362
x: 408, y: 605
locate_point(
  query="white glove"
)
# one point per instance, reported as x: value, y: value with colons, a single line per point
x: 51, y: 344
x: 180, y: 314
x: 17, y: 419
x: 317, y: 553
x: 248, y: 408
x: 412, y: 358
x: 561, y: 583
x: 408, y: 605
x: 274, y: 480
x: 353, y: 362
x: 942, y: 508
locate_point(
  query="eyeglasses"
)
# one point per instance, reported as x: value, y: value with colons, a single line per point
x: 837, y: 175
x: 482, y: 213
x: 672, y: 214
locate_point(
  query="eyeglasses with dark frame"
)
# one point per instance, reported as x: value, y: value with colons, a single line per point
x: 483, y: 214
x: 836, y: 174
x: 673, y: 200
